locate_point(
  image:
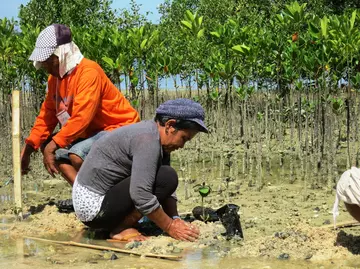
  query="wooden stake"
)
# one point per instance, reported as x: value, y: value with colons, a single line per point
x: 345, y: 224
x: 16, y: 152
x: 71, y: 243
x: 117, y: 241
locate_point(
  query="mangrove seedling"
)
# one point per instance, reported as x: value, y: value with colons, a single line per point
x: 204, y: 191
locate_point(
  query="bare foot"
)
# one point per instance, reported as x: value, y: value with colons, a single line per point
x: 130, y: 234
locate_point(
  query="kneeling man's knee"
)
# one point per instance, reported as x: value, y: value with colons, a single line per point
x: 168, y: 176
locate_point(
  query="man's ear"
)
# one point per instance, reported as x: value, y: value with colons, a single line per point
x: 170, y: 126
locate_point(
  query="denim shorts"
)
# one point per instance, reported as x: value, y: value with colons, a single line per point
x: 79, y: 147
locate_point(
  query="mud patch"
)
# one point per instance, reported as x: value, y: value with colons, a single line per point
x: 300, y: 242
x: 46, y: 223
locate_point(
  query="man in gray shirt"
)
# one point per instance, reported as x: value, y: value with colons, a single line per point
x: 127, y: 174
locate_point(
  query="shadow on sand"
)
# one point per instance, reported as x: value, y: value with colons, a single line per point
x: 349, y: 241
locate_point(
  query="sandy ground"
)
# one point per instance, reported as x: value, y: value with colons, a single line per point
x: 279, y: 222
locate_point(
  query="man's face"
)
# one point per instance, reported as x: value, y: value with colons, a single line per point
x: 51, y: 65
x: 175, y: 139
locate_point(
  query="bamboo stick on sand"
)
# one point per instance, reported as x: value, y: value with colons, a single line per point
x: 345, y: 224
x: 124, y: 251
x: 16, y: 152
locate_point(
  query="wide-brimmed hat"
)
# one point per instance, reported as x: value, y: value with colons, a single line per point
x: 48, y: 40
x: 184, y: 109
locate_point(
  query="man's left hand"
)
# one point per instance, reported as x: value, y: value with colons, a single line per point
x: 49, y: 158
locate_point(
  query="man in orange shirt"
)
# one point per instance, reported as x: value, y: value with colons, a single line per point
x: 81, y: 98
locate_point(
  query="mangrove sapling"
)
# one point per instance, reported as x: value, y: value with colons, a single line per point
x: 267, y: 131
x: 259, y: 165
x: 250, y: 173
x: 229, y: 164
x: 331, y: 134
x: 204, y: 191
x: 317, y: 134
x: 329, y: 150
x: 353, y: 135
x: 299, y: 148
x: 235, y: 173
x: 221, y: 166
x: 308, y: 113
x: 244, y: 159
x: 292, y: 143
x: 259, y: 152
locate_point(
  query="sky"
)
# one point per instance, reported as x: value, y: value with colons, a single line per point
x: 10, y: 8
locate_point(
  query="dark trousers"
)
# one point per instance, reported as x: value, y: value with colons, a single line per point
x: 117, y: 203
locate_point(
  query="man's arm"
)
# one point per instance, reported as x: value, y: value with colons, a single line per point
x: 45, y: 122
x: 170, y: 207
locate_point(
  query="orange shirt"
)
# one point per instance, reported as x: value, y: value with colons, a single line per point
x: 92, y: 101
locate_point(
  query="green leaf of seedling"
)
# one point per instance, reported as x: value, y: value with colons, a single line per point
x: 314, y: 31
x: 216, y: 34
x: 280, y: 18
x: 187, y: 24
x: 143, y: 44
x: 241, y: 49
x: 200, y: 20
x: 352, y: 20
x: 324, y: 27
x: 232, y: 22
x: 108, y: 61
x: 200, y: 33
x: 189, y: 15
x: 141, y: 30
x: 204, y: 191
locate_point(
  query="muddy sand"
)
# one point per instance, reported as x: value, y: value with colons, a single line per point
x: 279, y: 222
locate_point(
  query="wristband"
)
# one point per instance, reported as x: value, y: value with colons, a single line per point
x: 176, y: 217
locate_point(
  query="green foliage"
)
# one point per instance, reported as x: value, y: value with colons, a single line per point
x: 270, y: 42
x: 193, y: 24
x: 90, y: 13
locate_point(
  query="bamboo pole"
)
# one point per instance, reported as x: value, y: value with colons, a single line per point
x: 124, y: 251
x: 16, y: 152
x: 345, y: 224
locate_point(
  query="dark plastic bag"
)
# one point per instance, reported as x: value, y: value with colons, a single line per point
x: 65, y: 206
x: 227, y: 214
x: 230, y: 219
x: 205, y: 214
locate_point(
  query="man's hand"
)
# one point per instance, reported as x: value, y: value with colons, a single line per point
x: 177, y: 228
x: 25, y: 158
x: 49, y: 158
x: 182, y: 230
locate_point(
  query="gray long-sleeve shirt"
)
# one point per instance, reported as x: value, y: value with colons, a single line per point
x: 133, y: 150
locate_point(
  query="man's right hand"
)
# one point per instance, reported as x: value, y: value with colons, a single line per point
x: 182, y: 230
x: 50, y: 159
x: 25, y: 158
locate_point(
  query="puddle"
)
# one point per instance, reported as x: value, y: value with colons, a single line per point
x: 25, y: 253
x: 28, y: 253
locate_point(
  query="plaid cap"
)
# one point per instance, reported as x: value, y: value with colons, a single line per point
x: 48, y: 40
x: 184, y: 109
